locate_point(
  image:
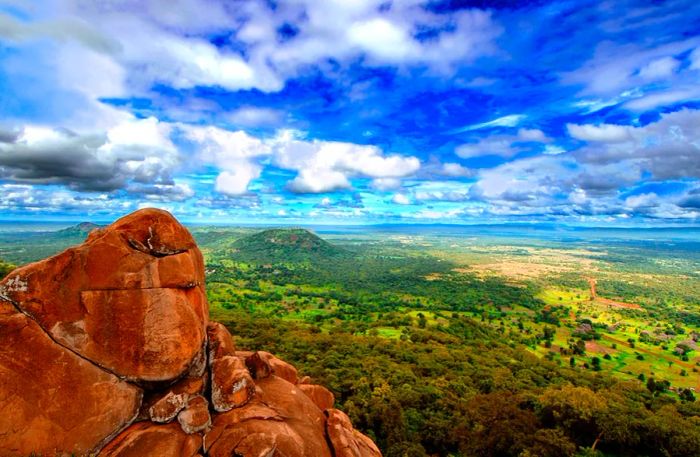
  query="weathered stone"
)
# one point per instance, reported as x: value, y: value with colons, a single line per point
x: 166, y: 408
x: 346, y: 441
x: 280, y: 420
x: 231, y: 383
x: 130, y: 299
x: 195, y: 417
x: 162, y: 405
x: 322, y: 397
x: 51, y: 399
x: 262, y: 364
x: 220, y: 341
x: 145, y: 439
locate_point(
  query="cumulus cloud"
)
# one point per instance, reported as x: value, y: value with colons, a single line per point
x: 589, y: 180
x: 667, y: 149
x: 325, y: 166
x: 139, y: 150
x: 604, y: 133
x: 456, y: 170
x: 384, y: 184
x: 40, y: 200
x: 235, y: 154
x: 401, y: 199
x: 167, y: 42
x: 321, y: 166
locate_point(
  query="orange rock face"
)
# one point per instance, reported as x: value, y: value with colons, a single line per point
x: 51, y: 399
x: 130, y: 299
x: 106, y: 348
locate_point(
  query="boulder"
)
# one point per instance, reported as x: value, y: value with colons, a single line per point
x: 279, y: 420
x: 195, y: 417
x: 262, y: 364
x: 130, y: 299
x: 231, y: 383
x: 322, y: 397
x: 346, y: 441
x: 145, y: 439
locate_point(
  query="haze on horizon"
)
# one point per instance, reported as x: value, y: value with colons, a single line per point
x: 352, y: 112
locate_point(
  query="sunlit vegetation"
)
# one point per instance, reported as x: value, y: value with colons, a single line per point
x: 5, y: 268
x: 482, y: 346
x: 431, y: 358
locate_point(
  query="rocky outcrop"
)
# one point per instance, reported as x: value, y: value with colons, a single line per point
x: 107, y: 348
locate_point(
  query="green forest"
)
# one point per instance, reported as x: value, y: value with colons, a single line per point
x: 428, y: 359
x: 447, y: 346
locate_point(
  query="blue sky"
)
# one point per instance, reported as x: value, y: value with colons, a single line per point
x: 352, y: 112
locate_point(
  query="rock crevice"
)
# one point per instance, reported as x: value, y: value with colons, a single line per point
x: 107, y: 349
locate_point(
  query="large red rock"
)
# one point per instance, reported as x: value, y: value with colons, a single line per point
x: 131, y: 298
x: 50, y: 398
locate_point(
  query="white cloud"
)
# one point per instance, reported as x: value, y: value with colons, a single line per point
x: 502, y: 145
x: 553, y: 150
x: 236, y: 180
x: 234, y: 153
x: 664, y: 98
x: 456, y: 170
x: 511, y: 120
x: 315, y: 181
x: 385, y: 184
x: 327, y: 165
x: 251, y: 116
x: 604, y: 133
x: 532, y: 135
x: 695, y: 59
x: 168, y: 43
x: 659, y: 68
x: 382, y: 39
x: 641, y: 77
x: 401, y: 199
x: 642, y: 201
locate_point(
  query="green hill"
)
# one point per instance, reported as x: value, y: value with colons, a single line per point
x: 82, y: 229
x: 285, y: 245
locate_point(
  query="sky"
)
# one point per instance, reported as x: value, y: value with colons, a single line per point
x: 352, y: 111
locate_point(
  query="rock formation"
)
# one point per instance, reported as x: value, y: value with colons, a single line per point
x: 107, y: 349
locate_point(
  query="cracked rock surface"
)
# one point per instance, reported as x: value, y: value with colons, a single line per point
x: 107, y: 348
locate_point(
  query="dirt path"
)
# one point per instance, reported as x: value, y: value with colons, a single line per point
x: 606, y: 301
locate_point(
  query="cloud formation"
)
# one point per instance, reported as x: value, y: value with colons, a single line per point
x: 366, y: 110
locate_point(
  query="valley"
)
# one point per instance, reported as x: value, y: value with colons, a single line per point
x: 423, y: 334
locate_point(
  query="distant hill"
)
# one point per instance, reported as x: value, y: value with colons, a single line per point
x: 285, y: 245
x: 79, y: 229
